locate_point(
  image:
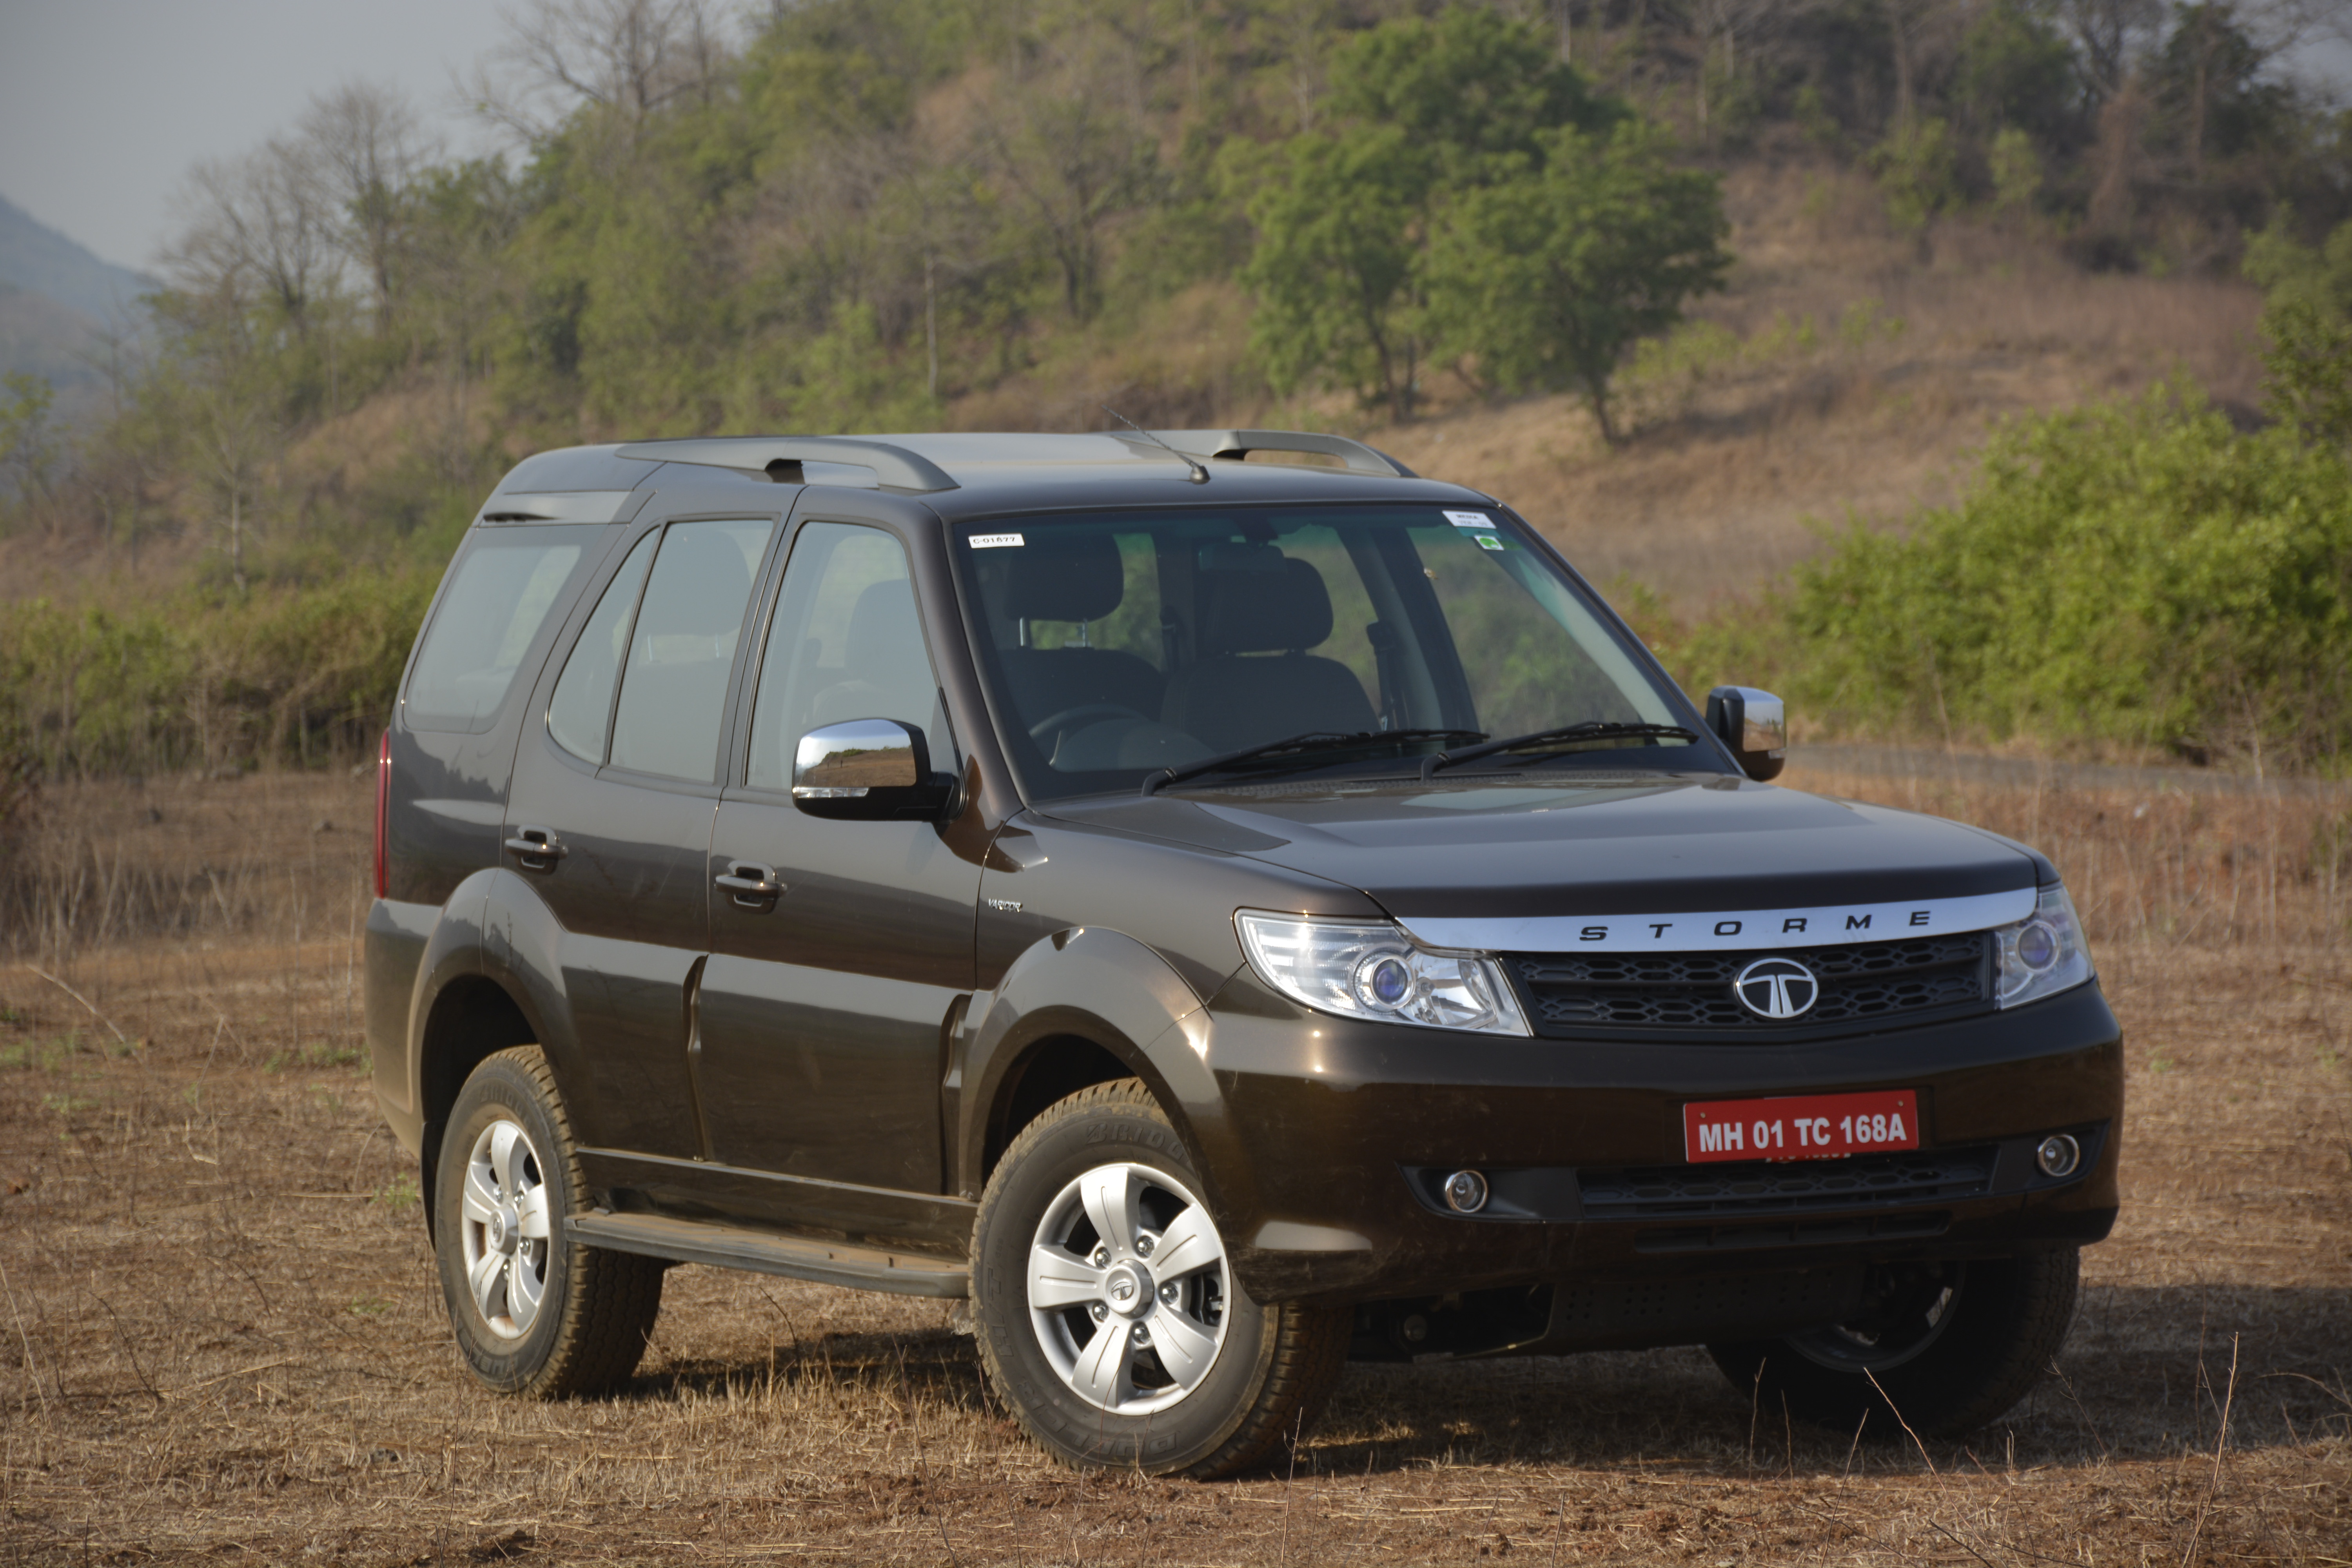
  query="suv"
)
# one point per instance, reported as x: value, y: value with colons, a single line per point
x: 1221, y: 918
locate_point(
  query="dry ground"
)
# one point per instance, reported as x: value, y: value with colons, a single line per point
x: 224, y: 1338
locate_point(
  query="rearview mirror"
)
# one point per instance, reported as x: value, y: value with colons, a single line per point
x: 867, y: 769
x: 1754, y: 724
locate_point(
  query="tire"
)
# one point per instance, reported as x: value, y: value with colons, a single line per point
x: 551, y: 1318
x: 1202, y: 1380
x: 1952, y: 1345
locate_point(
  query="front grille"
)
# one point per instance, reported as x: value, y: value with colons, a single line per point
x: 1570, y: 993
x: 1749, y: 1188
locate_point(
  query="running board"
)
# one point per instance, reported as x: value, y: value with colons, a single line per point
x: 761, y: 1252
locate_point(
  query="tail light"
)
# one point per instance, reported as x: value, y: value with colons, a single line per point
x: 382, y: 797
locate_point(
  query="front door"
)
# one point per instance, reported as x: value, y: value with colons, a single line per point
x: 824, y: 1005
x: 609, y: 820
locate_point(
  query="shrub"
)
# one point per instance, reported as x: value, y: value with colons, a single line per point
x: 2138, y: 574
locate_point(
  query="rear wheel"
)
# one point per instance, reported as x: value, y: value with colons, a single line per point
x: 534, y: 1312
x: 1109, y: 1318
x: 1942, y: 1347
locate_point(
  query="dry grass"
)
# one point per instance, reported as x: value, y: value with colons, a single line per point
x: 224, y: 1338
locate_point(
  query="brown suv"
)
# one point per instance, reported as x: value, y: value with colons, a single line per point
x: 1221, y: 916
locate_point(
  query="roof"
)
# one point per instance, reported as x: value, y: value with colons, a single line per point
x: 972, y: 474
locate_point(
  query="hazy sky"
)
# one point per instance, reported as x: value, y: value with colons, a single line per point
x: 105, y: 103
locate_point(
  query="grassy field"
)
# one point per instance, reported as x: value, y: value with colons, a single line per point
x: 224, y: 1340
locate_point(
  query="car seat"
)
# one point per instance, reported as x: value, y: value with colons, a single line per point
x: 1235, y: 695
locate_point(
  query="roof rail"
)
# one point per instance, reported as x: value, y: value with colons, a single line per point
x: 893, y: 466
x: 1238, y: 444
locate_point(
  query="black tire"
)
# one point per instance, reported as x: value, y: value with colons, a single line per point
x: 1952, y: 1346
x: 1266, y: 1380
x: 588, y: 1325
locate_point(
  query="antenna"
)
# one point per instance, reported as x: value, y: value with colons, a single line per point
x: 1198, y: 476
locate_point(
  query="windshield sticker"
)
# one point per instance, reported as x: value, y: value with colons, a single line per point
x: 1489, y: 541
x: 995, y: 540
x: 1469, y: 520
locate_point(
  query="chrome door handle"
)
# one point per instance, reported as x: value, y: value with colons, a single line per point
x: 753, y: 885
x: 537, y: 847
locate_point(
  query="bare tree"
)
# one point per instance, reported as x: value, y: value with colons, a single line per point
x: 259, y: 227
x: 2109, y: 37
x: 369, y: 145
x: 1919, y: 33
x: 629, y: 56
x: 1069, y: 141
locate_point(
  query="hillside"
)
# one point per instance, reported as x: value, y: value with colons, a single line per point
x: 57, y: 301
x: 34, y: 256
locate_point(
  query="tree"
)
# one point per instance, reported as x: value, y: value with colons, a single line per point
x: 2307, y: 328
x: 261, y: 229
x: 1337, y: 267
x: 369, y: 147
x: 1425, y: 112
x: 628, y: 58
x: 30, y: 448
x: 1551, y: 278
x: 1074, y: 154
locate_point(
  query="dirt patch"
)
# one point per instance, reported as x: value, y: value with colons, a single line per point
x: 221, y: 1334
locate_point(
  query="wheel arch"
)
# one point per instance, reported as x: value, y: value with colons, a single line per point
x: 1084, y: 1006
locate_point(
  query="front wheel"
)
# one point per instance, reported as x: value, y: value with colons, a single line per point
x: 1943, y: 1348
x: 534, y: 1312
x: 1109, y: 1318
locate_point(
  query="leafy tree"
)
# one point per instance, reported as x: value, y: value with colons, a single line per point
x: 1551, y: 278
x: 30, y: 448
x: 1337, y: 270
x: 1916, y: 174
x: 1426, y: 113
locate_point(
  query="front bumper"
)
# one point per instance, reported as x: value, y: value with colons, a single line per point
x: 1333, y: 1130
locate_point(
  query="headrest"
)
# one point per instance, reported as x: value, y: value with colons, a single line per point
x: 1063, y: 575
x: 698, y: 587
x: 1261, y: 612
x: 884, y: 631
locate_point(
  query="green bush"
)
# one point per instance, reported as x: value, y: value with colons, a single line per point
x: 290, y: 673
x: 2138, y: 574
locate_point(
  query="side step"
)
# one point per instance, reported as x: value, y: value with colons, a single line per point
x: 798, y: 1257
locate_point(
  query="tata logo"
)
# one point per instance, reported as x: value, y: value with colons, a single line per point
x: 1776, y: 988
x: 1122, y: 1289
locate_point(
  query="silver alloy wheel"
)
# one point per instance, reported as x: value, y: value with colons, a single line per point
x: 505, y: 1235
x: 1127, y: 1289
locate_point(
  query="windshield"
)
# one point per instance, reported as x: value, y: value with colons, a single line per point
x: 1121, y: 644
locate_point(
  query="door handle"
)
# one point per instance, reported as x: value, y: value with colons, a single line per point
x: 753, y: 885
x: 537, y: 847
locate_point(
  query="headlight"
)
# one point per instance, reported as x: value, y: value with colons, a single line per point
x: 2044, y: 954
x: 1373, y: 971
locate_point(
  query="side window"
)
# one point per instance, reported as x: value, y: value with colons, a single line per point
x: 847, y: 643
x: 498, y: 595
x: 674, y: 683
x: 581, y: 716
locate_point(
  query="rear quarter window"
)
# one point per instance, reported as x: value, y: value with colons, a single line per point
x: 498, y: 595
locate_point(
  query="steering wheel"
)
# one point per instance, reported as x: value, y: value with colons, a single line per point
x: 1049, y: 731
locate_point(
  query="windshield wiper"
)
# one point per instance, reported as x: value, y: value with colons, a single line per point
x: 1568, y: 734
x: 1309, y: 744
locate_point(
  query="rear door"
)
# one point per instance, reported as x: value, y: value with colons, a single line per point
x: 824, y: 1007
x: 609, y: 819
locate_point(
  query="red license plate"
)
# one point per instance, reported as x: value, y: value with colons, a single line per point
x: 1801, y: 1126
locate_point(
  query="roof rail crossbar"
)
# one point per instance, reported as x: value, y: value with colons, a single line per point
x: 1238, y: 444
x: 893, y: 466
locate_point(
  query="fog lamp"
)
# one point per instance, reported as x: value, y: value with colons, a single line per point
x: 2058, y: 1155
x: 1465, y: 1192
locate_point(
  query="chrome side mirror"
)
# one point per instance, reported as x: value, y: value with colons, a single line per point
x: 867, y: 769
x: 1754, y: 724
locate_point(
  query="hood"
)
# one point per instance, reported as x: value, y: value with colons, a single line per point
x: 1619, y: 844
